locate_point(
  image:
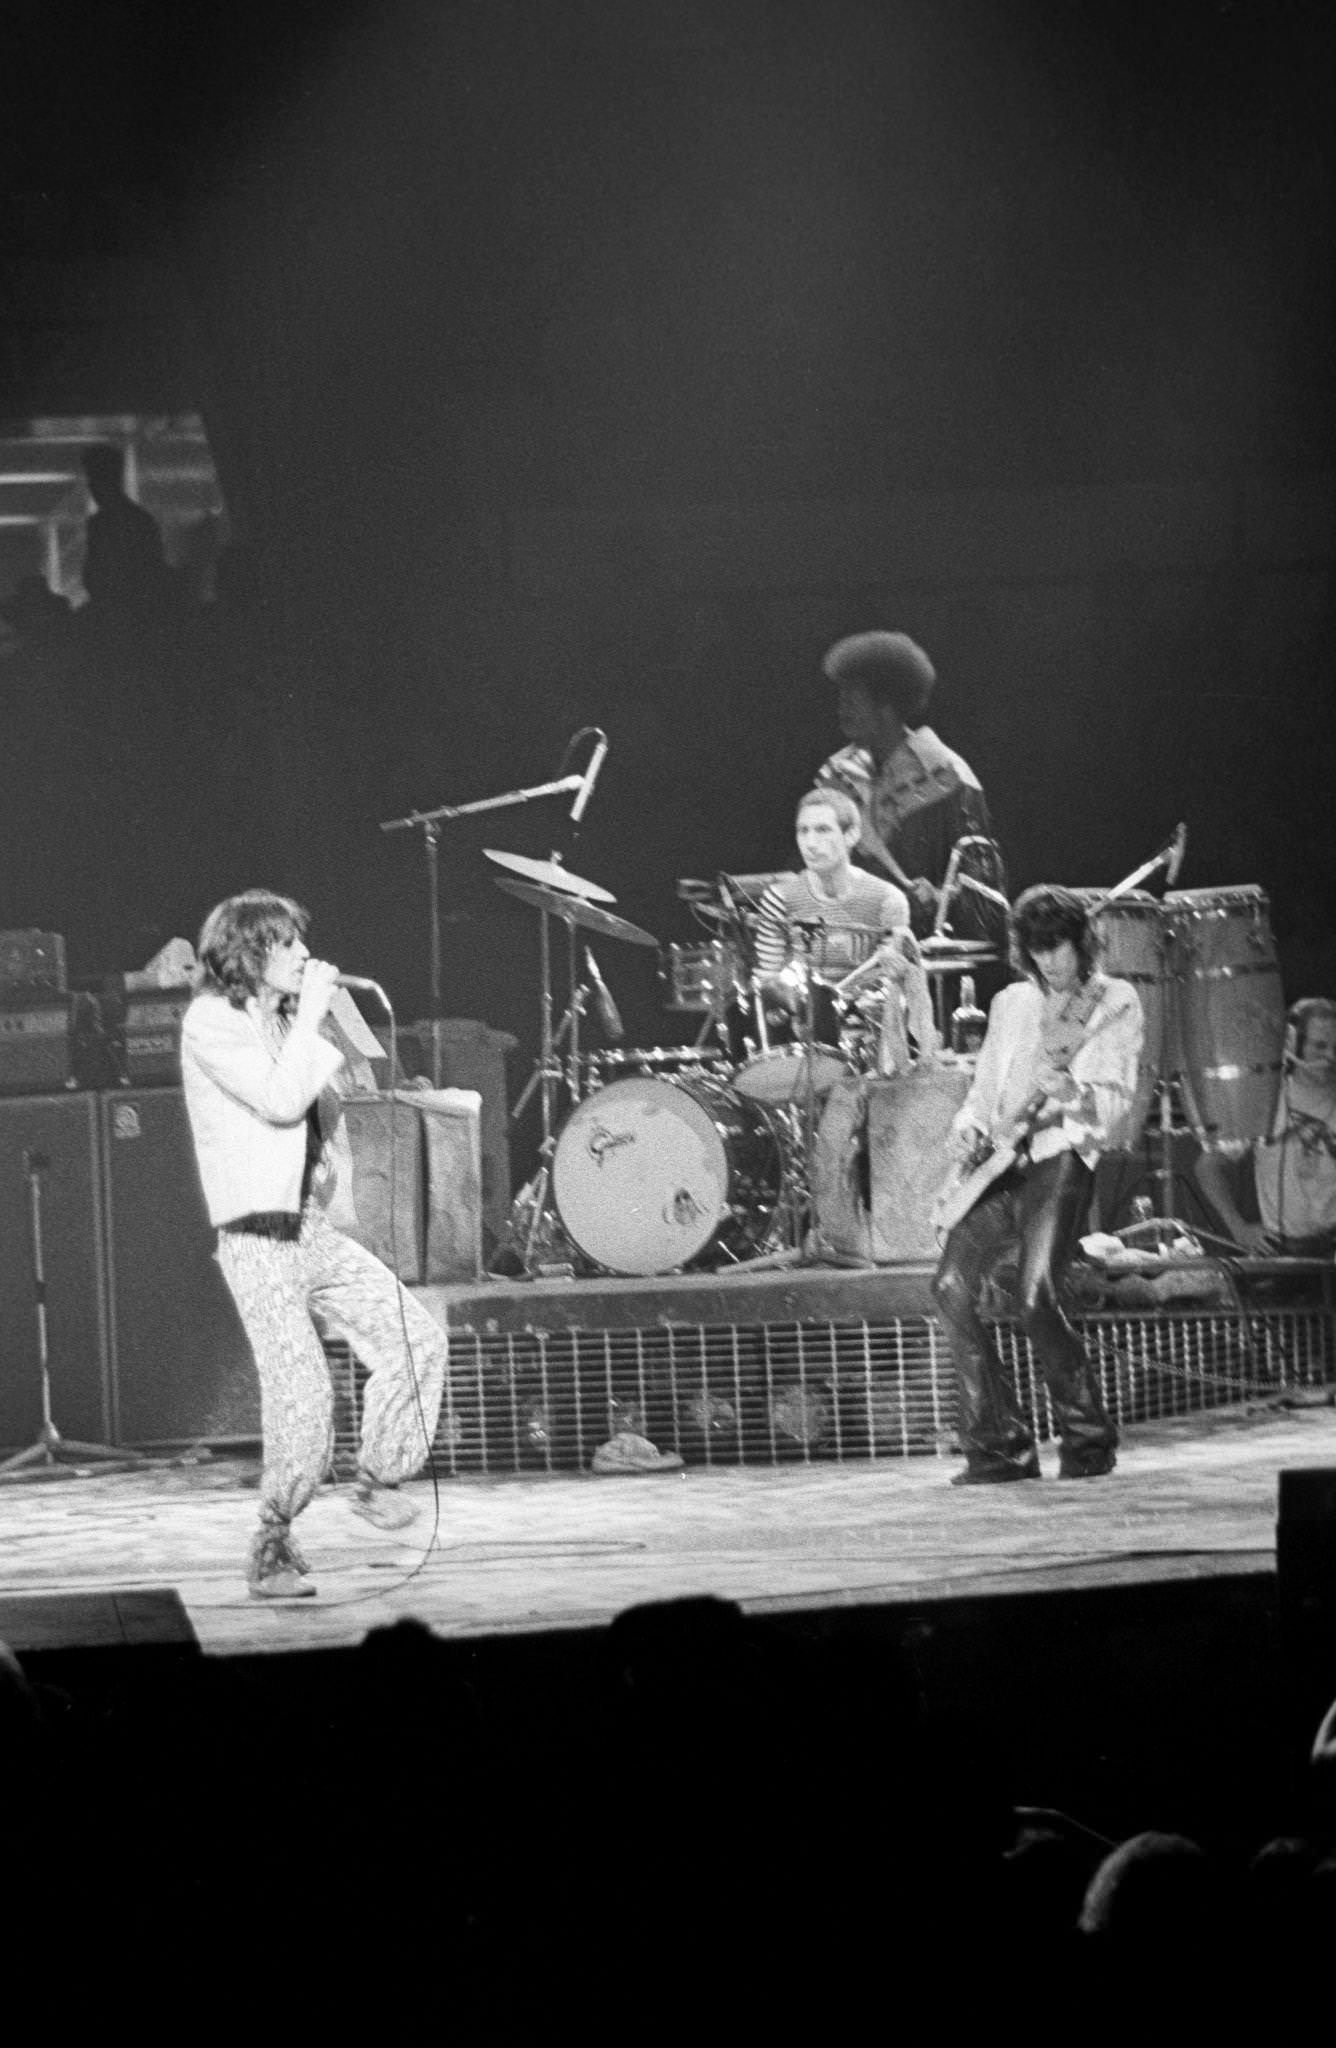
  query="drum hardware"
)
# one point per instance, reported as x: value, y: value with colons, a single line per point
x: 573, y: 910
x: 533, y: 1207
x: 429, y: 824
x: 552, y: 874
x: 802, y: 1083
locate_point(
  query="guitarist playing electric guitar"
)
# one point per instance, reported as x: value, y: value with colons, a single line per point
x: 1055, y: 1081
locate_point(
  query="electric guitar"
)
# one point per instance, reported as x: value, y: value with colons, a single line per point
x: 979, y: 1172
x: 983, y: 1167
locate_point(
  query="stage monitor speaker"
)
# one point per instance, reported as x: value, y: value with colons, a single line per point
x: 901, y: 1127
x: 181, y: 1369
x: 58, y: 1136
x: 437, y: 1184
x: 462, y: 1052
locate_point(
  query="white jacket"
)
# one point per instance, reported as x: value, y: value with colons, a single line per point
x: 1104, y: 1069
x: 247, y: 1106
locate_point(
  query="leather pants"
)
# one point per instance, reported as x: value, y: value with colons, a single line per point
x: 1039, y: 1210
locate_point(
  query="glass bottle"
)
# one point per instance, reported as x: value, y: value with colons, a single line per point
x: 968, y: 1022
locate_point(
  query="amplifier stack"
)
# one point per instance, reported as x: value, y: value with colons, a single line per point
x: 52, y: 1037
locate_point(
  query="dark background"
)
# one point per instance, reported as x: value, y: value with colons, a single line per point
x: 599, y: 361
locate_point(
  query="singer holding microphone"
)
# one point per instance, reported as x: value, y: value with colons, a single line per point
x: 261, y: 1088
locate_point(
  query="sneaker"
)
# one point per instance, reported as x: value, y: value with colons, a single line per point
x: 1094, y: 1465
x: 630, y: 1452
x: 995, y: 1475
x: 383, y: 1506
x: 277, y: 1570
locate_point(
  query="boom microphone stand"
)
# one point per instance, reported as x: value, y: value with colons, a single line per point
x: 428, y: 822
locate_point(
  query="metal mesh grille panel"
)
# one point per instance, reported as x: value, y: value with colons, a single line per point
x: 762, y: 1393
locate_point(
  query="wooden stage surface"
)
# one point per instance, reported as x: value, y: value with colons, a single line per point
x: 157, y: 1555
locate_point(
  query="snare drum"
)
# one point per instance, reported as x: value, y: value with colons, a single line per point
x: 779, y: 1074
x: 652, y: 1175
x: 1231, y: 1012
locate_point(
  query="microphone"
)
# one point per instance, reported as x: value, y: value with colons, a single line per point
x: 948, y: 890
x: 590, y: 776
x: 609, y: 1015
x: 982, y: 889
x: 1173, y: 855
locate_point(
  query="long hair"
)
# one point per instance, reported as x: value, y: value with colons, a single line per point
x: 1043, y: 917
x: 237, y: 937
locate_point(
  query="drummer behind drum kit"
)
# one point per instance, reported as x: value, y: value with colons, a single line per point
x: 699, y: 1156
x: 677, y: 1157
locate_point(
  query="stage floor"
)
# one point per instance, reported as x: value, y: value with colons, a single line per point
x: 158, y: 1555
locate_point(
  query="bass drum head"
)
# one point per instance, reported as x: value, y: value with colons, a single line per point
x: 649, y: 1175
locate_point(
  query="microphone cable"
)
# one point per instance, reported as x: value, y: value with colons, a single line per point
x: 433, y: 1539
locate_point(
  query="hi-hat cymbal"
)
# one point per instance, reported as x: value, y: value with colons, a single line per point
x: 946, y: 944
x: 551, y: 874
x: 573, y: 910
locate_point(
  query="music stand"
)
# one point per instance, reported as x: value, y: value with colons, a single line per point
x: 53, y: 1456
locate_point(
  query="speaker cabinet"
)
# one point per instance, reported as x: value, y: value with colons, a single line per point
x: 385, y: 1136
x: 882, y: 1155
x: 461, y: 1052
x: 436, y: 1156
x: 54, y: 1141
x: 181, y: 1369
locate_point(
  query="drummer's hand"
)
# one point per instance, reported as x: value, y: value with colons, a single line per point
x: 319, y: 981
x: 785, y: 987
x: 923, y: 893
x: 1253, y: 1238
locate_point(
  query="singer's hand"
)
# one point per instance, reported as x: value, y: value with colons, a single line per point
x: 319, y: 981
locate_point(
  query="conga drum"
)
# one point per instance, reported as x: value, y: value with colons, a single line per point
x: 1230, y: 1012
x: 1133, y: 935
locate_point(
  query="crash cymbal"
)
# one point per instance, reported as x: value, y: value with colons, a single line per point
x: 963, y: 948
x: 573, y: 910
x: 551, y: 874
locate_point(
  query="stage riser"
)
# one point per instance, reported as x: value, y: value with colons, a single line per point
x: 775, y: 1393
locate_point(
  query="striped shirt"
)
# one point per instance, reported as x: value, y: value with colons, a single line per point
x: 852, y: 924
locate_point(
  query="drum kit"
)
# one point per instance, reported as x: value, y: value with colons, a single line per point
x: 667, y: 1158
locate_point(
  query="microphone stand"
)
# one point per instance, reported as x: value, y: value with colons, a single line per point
x: 52, y: 1456
x: 428, y: 823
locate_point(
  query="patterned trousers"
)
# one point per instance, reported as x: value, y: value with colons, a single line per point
x: 323, y: 1282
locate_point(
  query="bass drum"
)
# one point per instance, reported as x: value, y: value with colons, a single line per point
x: 1231, y: 1013
x: 652, y: 1176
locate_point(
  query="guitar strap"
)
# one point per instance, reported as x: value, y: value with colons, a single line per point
x: 1062, y: 1035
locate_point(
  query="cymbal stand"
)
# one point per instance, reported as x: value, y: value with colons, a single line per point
x: 802, y: 1248
x: 52, y: 1456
